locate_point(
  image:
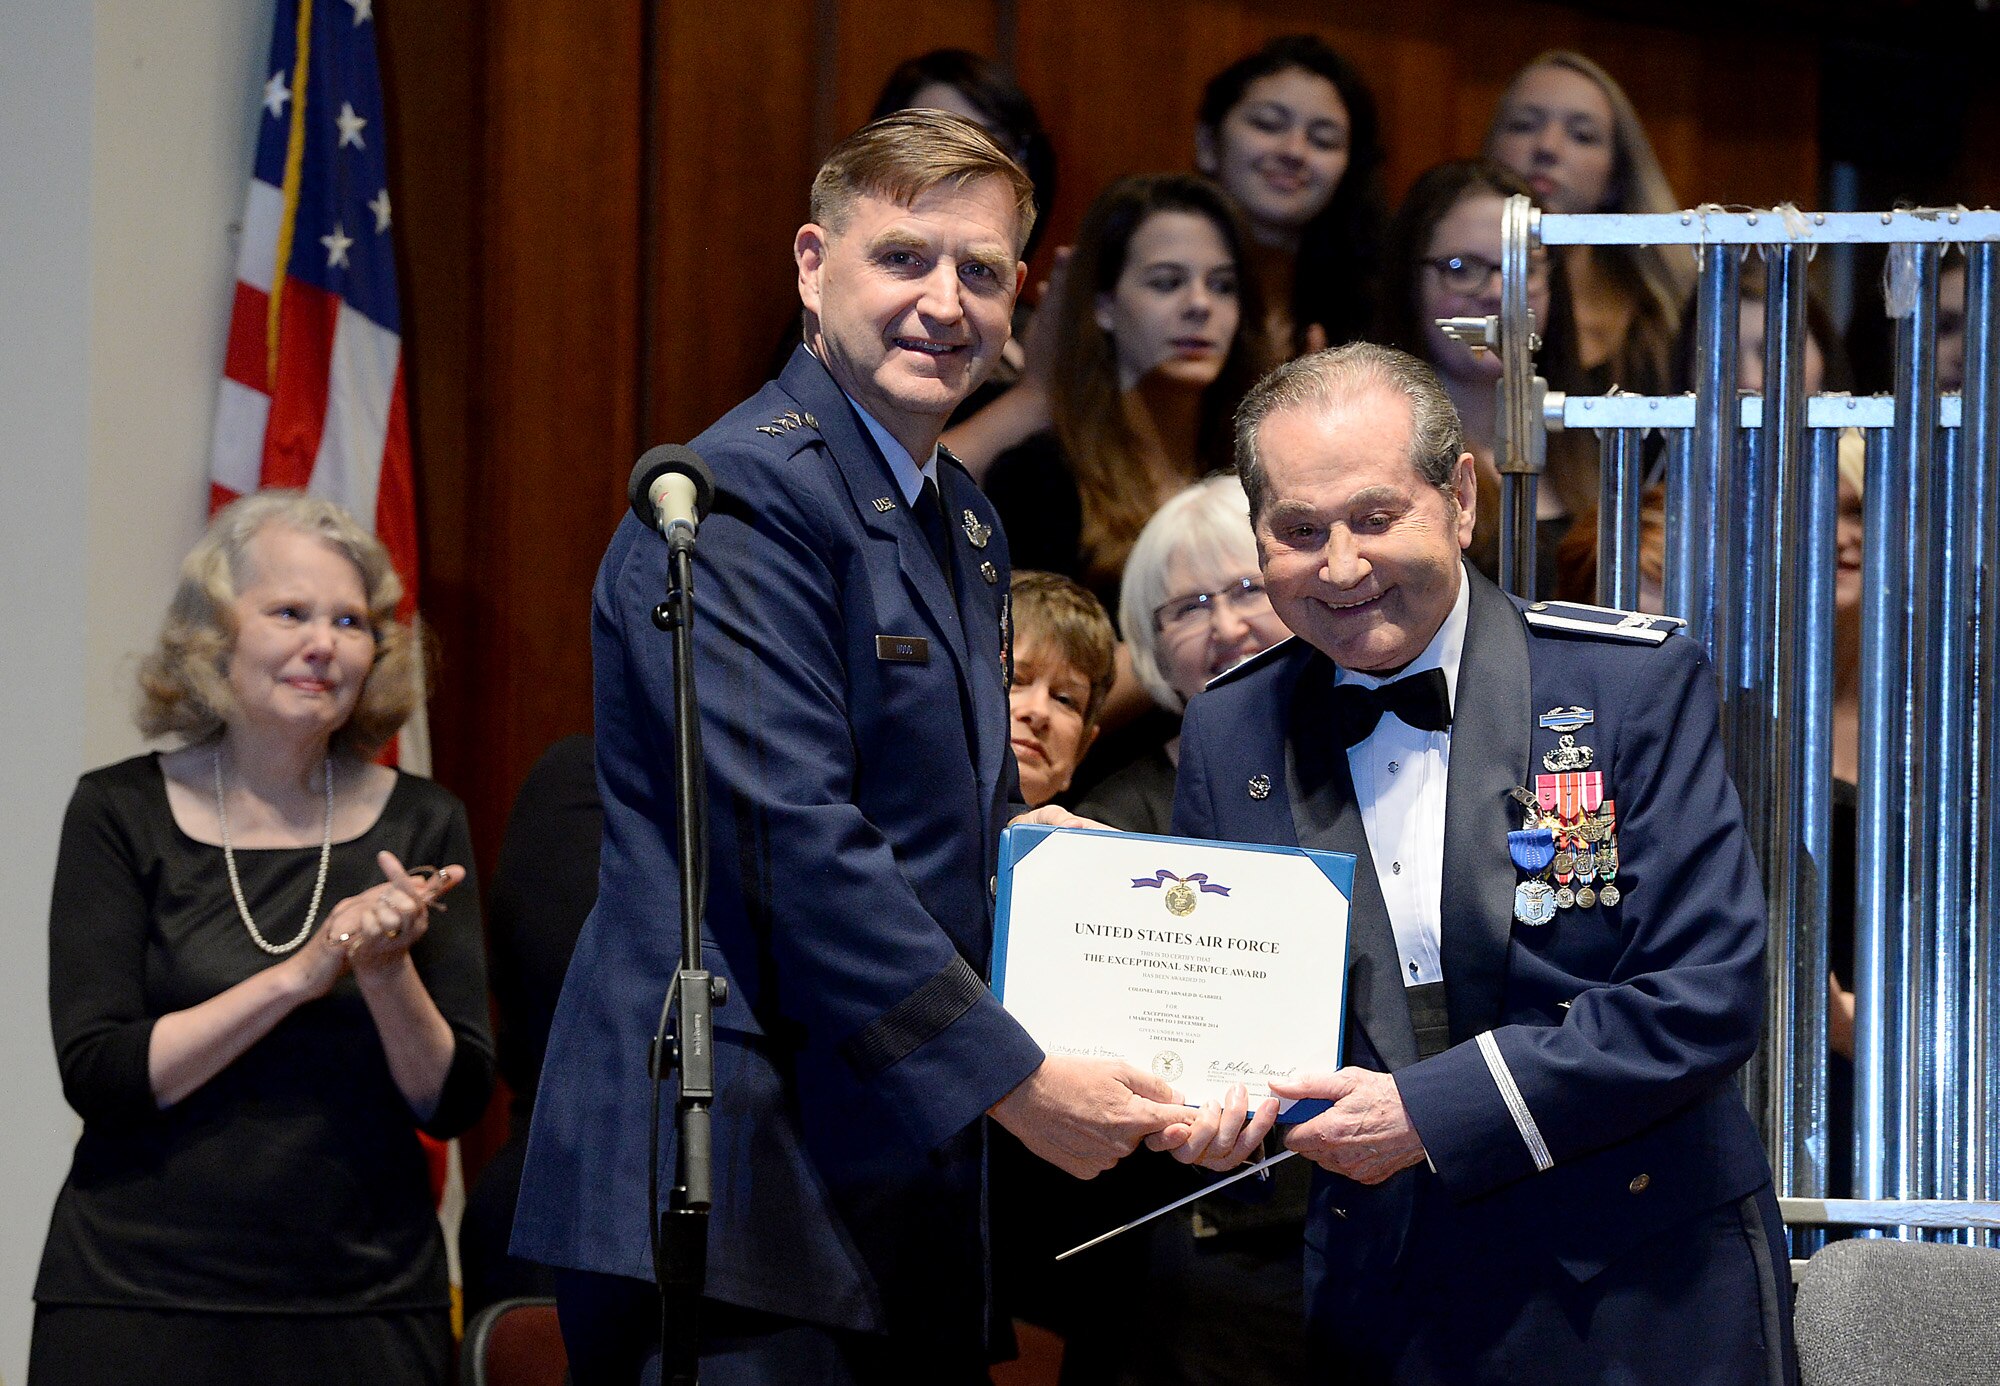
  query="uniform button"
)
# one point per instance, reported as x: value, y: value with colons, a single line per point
x: 993, y: 887
x: 1394, y: 766
x: 1395, y: 868
x: 1640, y: 1183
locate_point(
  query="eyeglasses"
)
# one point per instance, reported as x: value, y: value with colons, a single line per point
x: 1246, y: 597
x: 1469, y: 274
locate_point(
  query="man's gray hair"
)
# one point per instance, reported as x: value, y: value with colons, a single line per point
x: 1338, y: 375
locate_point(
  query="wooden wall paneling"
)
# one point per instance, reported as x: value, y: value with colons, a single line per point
x: 1759, y: 111
x: 431, y: 85
x: 734, y: 160
x: 1408, y: 57
x: 557, y: 379
x: 1659, y: 70
x: 1117, y: 85
x: 870, y: 37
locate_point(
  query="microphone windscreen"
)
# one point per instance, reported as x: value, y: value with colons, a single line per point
x: 675, y: 458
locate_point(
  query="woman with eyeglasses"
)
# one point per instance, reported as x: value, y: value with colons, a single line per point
x: 1568, y: 129
x: 1444, y: 262
x: 1152, y: 354
x: 1193, y: 606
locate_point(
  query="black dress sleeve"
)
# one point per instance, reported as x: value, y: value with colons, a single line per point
x: 97, y: 953
x: 543, y: 889
x: 451, y: 960
x: 1034, y: 492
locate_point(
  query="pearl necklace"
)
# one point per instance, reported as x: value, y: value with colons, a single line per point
x: 236, y: 884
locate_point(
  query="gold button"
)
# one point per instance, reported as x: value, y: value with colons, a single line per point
x: 1640, y: 1183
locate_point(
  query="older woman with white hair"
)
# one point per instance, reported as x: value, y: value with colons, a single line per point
x: 1192, y: 606
x: 249, y: 1201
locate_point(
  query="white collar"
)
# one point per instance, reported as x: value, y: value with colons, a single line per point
x: 1442, y: 653
x: 909, y: 476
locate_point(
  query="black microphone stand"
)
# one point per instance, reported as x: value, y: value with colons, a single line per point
x: 686, y: 1042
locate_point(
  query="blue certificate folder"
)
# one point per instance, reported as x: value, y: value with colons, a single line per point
x: 1016, y: 843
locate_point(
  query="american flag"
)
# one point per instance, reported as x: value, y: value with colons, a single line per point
x: 312, y: 385
x: 312, y: 382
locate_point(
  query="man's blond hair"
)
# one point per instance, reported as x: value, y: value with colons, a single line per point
x: 904, y: 155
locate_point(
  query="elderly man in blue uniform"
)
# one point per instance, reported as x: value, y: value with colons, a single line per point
x: 1536, y: 1168
x: 851, y: 651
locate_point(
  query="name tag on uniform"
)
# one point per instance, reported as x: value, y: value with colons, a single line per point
x: 903, y: 649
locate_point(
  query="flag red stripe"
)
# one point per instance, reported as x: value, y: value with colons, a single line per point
x: 245, y: 361
x: 395, y: 499
x: 306, y: 318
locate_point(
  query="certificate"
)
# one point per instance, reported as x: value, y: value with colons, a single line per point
x: 1208, y: 963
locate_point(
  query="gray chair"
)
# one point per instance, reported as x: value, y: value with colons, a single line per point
x: 1887, y: 1313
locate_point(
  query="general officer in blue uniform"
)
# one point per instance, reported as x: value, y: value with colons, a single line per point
x: 1536, y: 1168
x: 852, y: 658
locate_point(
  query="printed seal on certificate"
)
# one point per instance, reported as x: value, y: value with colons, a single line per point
x: 1241, y: 978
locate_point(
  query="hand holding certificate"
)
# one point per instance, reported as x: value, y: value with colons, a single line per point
x: 1210, y: 965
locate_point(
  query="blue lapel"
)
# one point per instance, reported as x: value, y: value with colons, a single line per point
x: 867, y: 477
x: 979, y: 613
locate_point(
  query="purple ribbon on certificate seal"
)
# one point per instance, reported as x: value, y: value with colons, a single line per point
x: 1180, y: 899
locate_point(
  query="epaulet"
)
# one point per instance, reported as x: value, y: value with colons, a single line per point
x: 1605, y: 622
x: 1253, y: 664
x: 945, y: 454
x: 788, y: 422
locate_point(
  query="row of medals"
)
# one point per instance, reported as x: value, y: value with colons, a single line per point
x: 1586, y: 852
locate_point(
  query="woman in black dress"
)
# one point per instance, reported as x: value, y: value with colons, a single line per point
x: 1152, y: 357
x: 249, y: 1200
x: 1153, y: 352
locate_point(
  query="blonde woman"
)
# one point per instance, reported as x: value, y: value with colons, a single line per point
x: 256, y: 1003
x: 1569, y: 130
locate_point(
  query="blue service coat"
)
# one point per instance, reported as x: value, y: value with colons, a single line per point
x: 857, y: 788
x: 1583, y: 1117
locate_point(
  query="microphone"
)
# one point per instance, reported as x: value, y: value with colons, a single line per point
x: 671, y: 491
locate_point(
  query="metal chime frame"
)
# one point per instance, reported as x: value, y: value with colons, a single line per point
x: 1751, y: 500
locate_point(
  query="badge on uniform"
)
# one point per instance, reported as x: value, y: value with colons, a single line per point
x: 786, y: 422
x: 1534, y: 851
x: 976, y: 534
x: 1583, y: 825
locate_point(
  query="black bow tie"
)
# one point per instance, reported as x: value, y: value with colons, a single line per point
x: 1422, y: 700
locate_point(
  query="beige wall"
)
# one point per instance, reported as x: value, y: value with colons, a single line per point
x: 175, y: 117
x: 129, y: 128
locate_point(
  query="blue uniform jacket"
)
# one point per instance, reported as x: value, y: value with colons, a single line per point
x: 857, y: 788
x: 1585, y: 1103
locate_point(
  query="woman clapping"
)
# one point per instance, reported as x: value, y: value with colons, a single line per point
x: 249, y: 1200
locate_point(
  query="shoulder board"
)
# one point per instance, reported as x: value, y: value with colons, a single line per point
x: 1605, y: 622
x: 945, y: 454
x: 1256, y: 661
